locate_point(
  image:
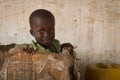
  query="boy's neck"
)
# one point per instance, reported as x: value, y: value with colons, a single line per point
x: 50, y: 47
x: 45, y: 46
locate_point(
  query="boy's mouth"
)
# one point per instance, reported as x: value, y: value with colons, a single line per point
x: 47, y: 40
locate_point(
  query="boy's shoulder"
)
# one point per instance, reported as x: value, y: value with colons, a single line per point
x: 57, y: 45
x: 56, y: 42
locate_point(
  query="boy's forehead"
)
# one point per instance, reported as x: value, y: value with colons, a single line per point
x: 41, y: 21
x: 37, y: 20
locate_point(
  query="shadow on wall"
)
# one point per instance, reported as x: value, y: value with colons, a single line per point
x: 6, y: 48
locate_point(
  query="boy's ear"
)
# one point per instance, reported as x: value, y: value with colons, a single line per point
x: 31, y: 32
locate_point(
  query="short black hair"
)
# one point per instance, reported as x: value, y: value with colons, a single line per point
x: 41, y: 13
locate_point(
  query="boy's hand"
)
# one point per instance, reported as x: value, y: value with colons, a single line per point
x: 29, y: 49
x: 69, y: 46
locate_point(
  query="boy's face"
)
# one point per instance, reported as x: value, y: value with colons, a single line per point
x: 43, y: 30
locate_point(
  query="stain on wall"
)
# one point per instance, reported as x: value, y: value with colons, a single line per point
x: 91, y: 25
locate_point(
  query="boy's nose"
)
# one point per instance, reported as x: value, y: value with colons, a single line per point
x: 46, y: 34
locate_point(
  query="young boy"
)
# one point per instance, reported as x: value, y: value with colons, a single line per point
x: 42, y: 24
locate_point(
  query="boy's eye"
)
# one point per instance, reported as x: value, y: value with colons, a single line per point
x: 51, y: 30
x: 42, y: 31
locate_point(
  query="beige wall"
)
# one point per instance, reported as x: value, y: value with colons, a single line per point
x: 91, y: 25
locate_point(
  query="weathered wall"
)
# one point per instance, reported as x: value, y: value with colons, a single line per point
x: 91, y: 25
